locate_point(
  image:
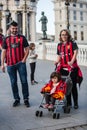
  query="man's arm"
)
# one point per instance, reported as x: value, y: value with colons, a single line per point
x: 3, y: 55
x: 26, y: 54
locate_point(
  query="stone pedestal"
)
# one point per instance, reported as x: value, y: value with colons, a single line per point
x: 42, y: 50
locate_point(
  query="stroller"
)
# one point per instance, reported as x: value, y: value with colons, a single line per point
x: 63, y: 102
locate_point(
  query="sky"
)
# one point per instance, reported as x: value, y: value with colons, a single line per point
x: 46, y: 6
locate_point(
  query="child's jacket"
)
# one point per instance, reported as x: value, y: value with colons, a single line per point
x: 59, y: 92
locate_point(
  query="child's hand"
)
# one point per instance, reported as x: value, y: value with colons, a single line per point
x: 36, y: 55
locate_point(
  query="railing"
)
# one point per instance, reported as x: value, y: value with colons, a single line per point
x: 48, y: 51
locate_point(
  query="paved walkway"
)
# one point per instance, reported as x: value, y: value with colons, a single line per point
x: 22, y: 118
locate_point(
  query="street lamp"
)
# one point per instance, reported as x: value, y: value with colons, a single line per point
x: 67, y: 3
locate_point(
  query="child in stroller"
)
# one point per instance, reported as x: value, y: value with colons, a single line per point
x: 55, y: 89
x: 54, y: 93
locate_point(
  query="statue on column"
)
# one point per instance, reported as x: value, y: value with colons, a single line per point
x: 44, y: 21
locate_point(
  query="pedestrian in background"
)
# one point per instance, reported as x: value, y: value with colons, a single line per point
x: 16, y: 50
x: 1, y: 42
x: 32, y: 60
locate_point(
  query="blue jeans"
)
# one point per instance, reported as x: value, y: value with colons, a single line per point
x: 12, y: 71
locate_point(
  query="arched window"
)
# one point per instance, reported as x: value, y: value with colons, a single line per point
x: 82, y: 35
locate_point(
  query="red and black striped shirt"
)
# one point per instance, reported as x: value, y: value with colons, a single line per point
x: 14, y: 46
x: 66, y: 51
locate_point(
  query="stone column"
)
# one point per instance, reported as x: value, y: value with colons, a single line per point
x: 33, y: 26
x: 78, y: 33
x: 85, y: 34
x: 24, y: 23
x: 4, y: 24
x: 14, y: 15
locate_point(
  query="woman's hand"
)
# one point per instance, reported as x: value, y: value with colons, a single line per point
x: 70, y: 63
x: 55, y: 62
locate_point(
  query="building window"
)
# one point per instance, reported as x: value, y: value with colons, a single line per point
x: 81, y: 5
x: 82, y: 36
x: 74, y: 15
x: 86, y: 5
x: 81, y: 26
x: 60, y: 14
x: 81, y: 16
x: 75, y: 35
x: 75, y: 26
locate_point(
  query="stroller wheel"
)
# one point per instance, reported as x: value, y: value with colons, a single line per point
x: 41, y: 114
x: 37, y: 113
x: 57, y: 115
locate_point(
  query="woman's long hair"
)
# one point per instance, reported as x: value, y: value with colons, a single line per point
x: 68, y: 33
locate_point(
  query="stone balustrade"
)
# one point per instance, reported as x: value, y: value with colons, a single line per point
x: 48, y: 51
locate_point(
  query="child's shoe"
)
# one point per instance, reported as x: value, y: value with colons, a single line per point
x: 35, y: 82
x: 45, y: 105
x: 32, y: 83
x: 51, y: 106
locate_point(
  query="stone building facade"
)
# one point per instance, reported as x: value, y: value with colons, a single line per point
x: 77, y: 19
x: 24, y: 14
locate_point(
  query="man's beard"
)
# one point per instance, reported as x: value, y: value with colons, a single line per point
x: 14, y: 33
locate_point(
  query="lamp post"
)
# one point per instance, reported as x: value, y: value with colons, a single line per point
x: 67, y: 3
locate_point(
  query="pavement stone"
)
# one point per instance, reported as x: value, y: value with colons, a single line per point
x: 22, y: 118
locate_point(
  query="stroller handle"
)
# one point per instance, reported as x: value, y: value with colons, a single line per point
x: 65, y: 67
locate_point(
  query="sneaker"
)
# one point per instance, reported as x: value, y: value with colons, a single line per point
x: 45, y: 105
x: 75, y: 106
x: 26, y: 102
x: 51, y: 106
x: 35, y: 82
x: 16, y: 103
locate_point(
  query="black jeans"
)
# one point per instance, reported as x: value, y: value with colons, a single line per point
x: 74, y: 91
x: 49, y: 99
x: 32, y: 67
